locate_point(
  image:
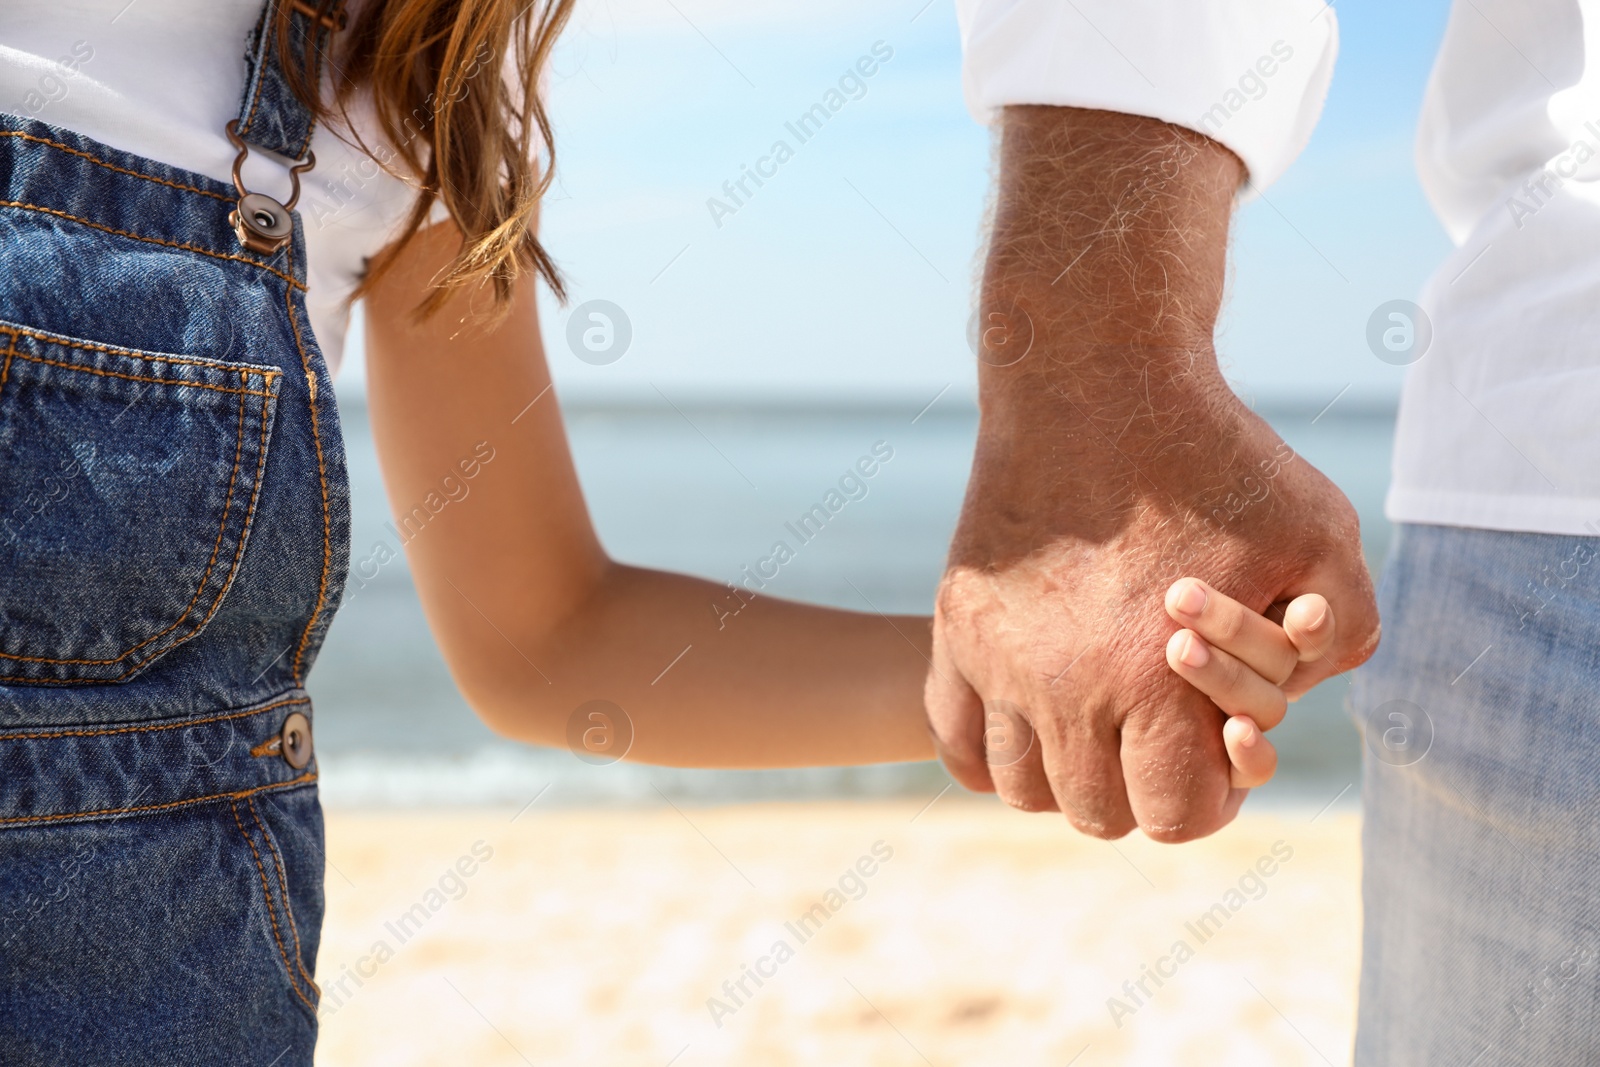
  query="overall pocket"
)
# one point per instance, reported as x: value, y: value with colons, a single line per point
x: 127, y: 484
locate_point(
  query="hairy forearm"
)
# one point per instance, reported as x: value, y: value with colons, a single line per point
x: 1109, y: 234
x: 770, y: 683
x: 1105, y: 274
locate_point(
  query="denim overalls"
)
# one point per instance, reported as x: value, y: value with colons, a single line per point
x: 174, y: 520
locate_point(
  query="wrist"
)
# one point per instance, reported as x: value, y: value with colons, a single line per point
x: 1089, y: 407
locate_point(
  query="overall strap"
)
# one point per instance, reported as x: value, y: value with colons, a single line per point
x: 270, y: 115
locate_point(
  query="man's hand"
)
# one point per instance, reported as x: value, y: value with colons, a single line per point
x: 1112, y: 459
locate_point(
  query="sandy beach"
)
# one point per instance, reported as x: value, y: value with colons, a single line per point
x: 822, y: 933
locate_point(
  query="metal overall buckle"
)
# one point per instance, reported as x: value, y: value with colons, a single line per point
x: 262, y: 225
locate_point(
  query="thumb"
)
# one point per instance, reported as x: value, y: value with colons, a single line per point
x: 1347, y: 588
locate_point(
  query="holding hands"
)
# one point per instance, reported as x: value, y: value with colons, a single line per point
x: 1112, y: 459
x: 1246, y: 664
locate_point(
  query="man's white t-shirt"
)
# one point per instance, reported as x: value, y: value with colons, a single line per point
x: 1498, y: 425
x: 162, y: 79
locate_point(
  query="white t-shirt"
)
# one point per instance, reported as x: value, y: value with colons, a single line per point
x: 162, y: 79
x: 1498, y: 426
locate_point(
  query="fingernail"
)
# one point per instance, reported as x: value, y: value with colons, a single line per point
x: 1191, y: 599
x: 1251, y: 734
x: 1195, y: 653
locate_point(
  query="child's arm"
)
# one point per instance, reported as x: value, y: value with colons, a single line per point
x: 534, y: 619
x: 1246, y: 664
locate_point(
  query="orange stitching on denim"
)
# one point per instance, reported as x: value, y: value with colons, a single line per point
x: 11, y: 350
x: 216, y: 546
x: 238, y: 549
x: 322, y: 476
x: 238, y: 552
x: 205, y: 577
x: 269, y: 23
x: 136, y: 378
x: 155, y: 240
x: 267, y: 17
x: 272, y: 746
x: 152, y: 727
x: 92, y: 158
x: 304, y: 779
x: 283, y: 887
x: 261, y: 461
x: 269, y: 373
x: 272, y: 914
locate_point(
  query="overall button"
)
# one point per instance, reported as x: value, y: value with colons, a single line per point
x: 261, y: 223
x: 296, y: 740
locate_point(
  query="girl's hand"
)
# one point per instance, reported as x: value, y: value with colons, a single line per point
x: 1242, y: 660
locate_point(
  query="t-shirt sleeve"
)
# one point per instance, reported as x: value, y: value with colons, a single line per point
x: 1251, y: 74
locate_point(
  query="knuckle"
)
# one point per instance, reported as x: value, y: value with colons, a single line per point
x: 1349, y: 518
x: 964, y: 594
x: 1228, y: 623
x: 951, y: 602
x: 1278, y: 703
x: 1361, y: 648
x: 1274, y: 708
x: 1231, y: 674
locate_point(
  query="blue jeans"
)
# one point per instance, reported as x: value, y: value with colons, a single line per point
x: 1481, y: 801
x: 173, y: 529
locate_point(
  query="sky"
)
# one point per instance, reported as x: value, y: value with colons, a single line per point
x: 848, y: 274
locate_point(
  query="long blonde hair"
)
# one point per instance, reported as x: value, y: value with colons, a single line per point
x: 467, y: 129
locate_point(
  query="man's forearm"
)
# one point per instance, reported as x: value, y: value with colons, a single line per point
x: 1101, y: 291
x: 1108, y: 248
